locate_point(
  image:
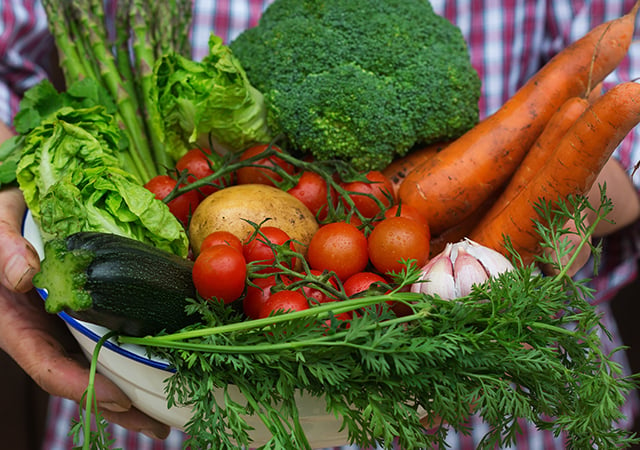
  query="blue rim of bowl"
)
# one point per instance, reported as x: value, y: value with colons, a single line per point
x: 95, y: 337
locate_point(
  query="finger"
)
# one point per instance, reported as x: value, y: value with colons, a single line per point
x: 18, y: 259
x: 137, y: 421
x: 41, y: 345
x: 581, y: 258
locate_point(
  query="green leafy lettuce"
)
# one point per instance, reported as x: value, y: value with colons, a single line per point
x: 204, y: 102
x: 73, y: 165
x: 108, y: 199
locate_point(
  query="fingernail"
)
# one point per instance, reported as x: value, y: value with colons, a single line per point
x: 153, y: 434
x: 17, y: 270
x: 112, y: 406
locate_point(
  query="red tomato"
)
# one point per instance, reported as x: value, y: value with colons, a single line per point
x: 312, y: 190
x: 259, y: 175
x: 360, y: 282
x: 199, y: 165
x: 409, y: 212
x: 394, y: 239
x: 220, y: 272
x: 182, y: 206
x: 379, y: 187
x: 255, y: 297
x: 258, y: 247
x: 283, y: 301
x: 222, y: 238
x: 339, y: 247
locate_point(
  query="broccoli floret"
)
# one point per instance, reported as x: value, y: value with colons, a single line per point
x: 360, y: 80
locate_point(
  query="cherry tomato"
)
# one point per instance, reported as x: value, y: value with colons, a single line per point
x: 339, y: 247
x: 199, y: 165
x: 255, y: 297
x: 312, y: 190
x: 222, y: 238
x: 220, y: 272
x: 283, y: 301
x: 182, y: 206
x: 379, y: 187
x: 258, y: 248
x: 360, y: 282
x: 394, y: 239
x: 259, y: 175
x: 409, y: 212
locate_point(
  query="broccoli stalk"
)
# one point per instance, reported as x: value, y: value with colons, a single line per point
x: 363, y: 80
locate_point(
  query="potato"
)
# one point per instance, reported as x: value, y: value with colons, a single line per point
x: 226, y: 209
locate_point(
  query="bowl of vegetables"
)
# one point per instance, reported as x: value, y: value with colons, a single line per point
x: 142, y: 376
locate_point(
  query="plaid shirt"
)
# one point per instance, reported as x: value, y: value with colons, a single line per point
x: 509, y: 40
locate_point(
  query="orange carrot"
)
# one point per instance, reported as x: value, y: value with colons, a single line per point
x: 462, y: 229
x: 400, y: 167
x: 540, y: 152
x: 576, y: 162
x: 448, y: 187
x: 594, y: 93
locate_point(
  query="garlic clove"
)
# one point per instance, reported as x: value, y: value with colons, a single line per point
x: 437, y: 277
x: 467, y: 272
x: 493, y: 262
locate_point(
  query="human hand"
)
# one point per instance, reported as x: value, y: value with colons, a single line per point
x: 40, y: 342
x: 626, y: 210
x: 584, y: 253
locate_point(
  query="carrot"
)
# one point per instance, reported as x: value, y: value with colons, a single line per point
x: 448, y: 187
x: 461, y: 229
x: 594, y: 93
x: 540, y: 152
x: 400, y: 167
x: 576, y: 162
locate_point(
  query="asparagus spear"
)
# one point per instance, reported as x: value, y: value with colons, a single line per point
x: 121, y: 59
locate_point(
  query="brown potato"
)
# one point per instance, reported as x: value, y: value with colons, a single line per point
x: 229, y: 208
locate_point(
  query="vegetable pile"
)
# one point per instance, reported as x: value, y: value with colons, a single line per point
x: 333, y: 276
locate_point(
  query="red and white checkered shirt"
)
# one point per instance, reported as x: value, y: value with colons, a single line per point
x: 509, y: 40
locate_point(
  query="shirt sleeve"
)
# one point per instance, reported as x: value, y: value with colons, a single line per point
x: 25, y: 52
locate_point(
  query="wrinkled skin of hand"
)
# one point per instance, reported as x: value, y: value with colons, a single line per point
x: 40, y: 342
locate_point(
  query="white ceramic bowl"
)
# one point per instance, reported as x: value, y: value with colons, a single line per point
x: 142, y: 378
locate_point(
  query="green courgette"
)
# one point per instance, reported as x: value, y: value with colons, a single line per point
x: 117, y: 282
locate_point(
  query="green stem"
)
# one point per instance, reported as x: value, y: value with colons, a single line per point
x: 89, y: 405
x: 577, y: 251
x: 93, y: 33
x: 72, y: 65
x: 144, y: 62
x: 177, y: 340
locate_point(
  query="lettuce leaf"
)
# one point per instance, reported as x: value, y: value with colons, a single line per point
x: 75, y: 170
x: 108, y: 199
x: 208, y: 101
x: 66, y: 140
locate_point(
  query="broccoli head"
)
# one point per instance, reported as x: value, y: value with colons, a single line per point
x: 360, y: 80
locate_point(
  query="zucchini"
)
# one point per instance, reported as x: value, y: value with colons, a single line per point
x: 117, y: 282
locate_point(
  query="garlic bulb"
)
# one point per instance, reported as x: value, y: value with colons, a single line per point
x: 453, y: 272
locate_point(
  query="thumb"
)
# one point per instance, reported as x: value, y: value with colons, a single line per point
x: 18, y: 259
